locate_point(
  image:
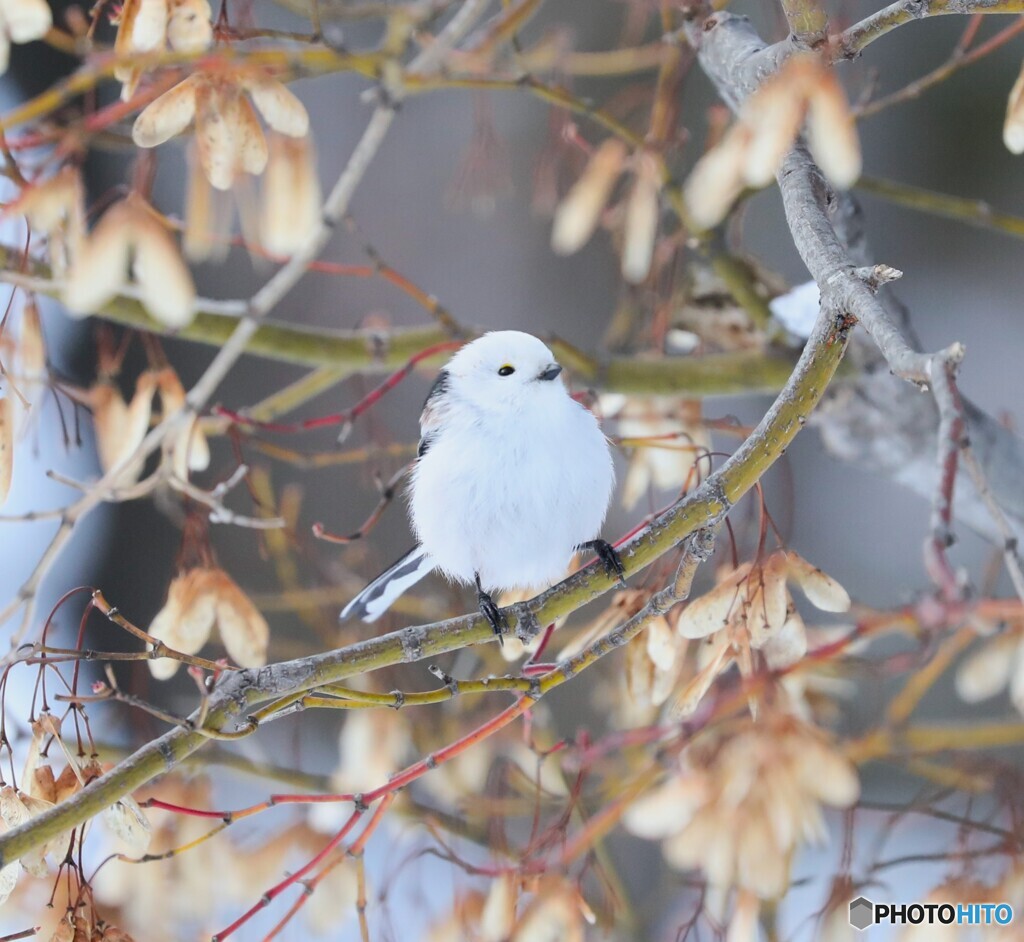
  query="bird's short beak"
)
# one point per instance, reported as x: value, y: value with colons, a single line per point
x: 551, y: 372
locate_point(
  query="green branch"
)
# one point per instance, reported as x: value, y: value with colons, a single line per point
x: 976, y: 213
x: 241, y: 692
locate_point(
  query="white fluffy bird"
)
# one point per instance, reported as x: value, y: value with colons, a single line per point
x: 512, y: 478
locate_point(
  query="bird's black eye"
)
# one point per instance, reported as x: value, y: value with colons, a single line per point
x: 506, y: 370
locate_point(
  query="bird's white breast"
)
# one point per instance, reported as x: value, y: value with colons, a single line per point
x: 511, y: 496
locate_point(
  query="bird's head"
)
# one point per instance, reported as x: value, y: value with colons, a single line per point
x: 505, y: 370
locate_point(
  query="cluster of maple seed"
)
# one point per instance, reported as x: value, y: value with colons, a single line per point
x: 41, y: 789
x: 198, y: 600
x: 132, y: 238
x: 803, y: 93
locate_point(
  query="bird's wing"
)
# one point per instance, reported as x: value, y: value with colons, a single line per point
x: 380, y: 594
x: 433, y: 412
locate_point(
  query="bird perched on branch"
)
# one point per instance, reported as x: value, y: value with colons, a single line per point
x: 512, y: 477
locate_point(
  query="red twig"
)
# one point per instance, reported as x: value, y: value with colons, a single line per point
x: 279, y: 888
x: 349, y: 415
x: 183, y: 809
x: 387, y: 494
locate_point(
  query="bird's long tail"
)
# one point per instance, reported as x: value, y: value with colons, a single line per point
x: 380, y: 594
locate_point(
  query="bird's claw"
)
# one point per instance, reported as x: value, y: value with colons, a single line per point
x: 610, y: 559
x: 493, y: 614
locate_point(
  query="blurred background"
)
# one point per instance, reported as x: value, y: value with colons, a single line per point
x: 450, y: 203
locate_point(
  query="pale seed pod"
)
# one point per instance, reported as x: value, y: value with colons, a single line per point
x: 987, y: 671
x: 641, y: 227
x: 687, y: 700
x: 123, y: 47
x: 191, y: 450
x: 147, y: 25
x: 207, y: 216
x: 17, y: 809
x: 34, y: 861
x: 55, y: 207
x: 109, y: 417
x: 828, y: 775
x: 65, y: 931
x: 25, y: 20
x: 717, y: 179
x: 164, y: 281
x: 290, y: 203
x: 216, y: 134
x: 667, y: 809
x: 832, y: 132
x: 48, y: 205
x: 168, y: 115
x: 280, y: 108
x: 189, y: 28
x: 251, y: 152
x: 499, y: 914
x: 662, y: 643
x: 8, y: 875
x: 712, y: 611
x: 743, y: 927
x: 759, y: 868
x: 185, y: 621
x: 67, y: 784
x: 128, y: 822
x: 667, y: 468
x: 1017, y: 680
x: 578, y: 214
x: 101, y: 263
x: 32, y: 758
x: 1013, y: 126
x: 43, y: 784
x: 774, y: 115
x: 554, y: 916
x: 31, y: 344
x: 787, y: 645
x: 243, y: 629
x: 767, y: 600
x: 130, y: 233
x: 120, y: 427
x: 172, y: 393
x: 822, y: 590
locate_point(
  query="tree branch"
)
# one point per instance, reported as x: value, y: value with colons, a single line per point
x: 242, y: 691
x: 736, y: 59
x: 854, y: 40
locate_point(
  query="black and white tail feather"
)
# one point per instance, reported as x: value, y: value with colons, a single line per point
x: 381, y: 594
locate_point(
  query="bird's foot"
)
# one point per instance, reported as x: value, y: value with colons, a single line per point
x: 490, y: 611
x: 609, y: 557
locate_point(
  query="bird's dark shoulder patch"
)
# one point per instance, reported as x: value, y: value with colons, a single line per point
x: 433, y: 407
x: 438, y: 389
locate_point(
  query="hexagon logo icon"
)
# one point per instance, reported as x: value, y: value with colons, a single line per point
x: 862, y: 913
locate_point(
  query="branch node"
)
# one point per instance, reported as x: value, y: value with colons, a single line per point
x: 527, y: 624
x: 874, y: 276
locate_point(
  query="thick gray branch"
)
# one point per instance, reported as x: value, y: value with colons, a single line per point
x: 878, y: 421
